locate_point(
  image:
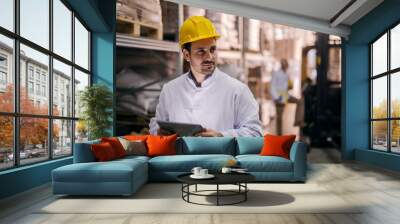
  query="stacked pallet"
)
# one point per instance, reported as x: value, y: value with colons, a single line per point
x: 266, y: 36
x: 140, y: 18
x: 334, y: 72
x: 252, y: 34
x: 227, y: 26
x: 192, y: 11
x: 254, y: 81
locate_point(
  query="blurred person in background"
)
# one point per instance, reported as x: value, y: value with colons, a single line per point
x: 279, y: 90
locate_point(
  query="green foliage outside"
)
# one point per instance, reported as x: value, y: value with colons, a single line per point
x: 380, y: 127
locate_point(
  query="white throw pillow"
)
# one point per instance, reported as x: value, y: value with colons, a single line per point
x: 137, y: 147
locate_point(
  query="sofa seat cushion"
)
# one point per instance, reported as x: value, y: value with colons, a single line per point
x: 133, y: 158
x: 111, y: 171
x: 185, y: 163
x: 257, y: 163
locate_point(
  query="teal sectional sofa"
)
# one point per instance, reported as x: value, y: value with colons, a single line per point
x: 125, y: 176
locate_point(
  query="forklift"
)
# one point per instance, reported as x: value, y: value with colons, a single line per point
x: 322, y: 93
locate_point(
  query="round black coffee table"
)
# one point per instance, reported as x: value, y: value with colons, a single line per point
x: 238, y: 179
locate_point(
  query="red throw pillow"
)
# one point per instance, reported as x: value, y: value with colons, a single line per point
x: 161, y: 145
x: 116, y: 145
x: 277, y: 145
x: 103, y: 151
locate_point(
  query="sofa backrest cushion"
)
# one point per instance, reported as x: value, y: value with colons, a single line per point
x: 206, y: 145
x: 83, y: 153
x: 249, y: 145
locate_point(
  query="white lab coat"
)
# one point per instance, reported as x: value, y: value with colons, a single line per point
x: 222, y: 103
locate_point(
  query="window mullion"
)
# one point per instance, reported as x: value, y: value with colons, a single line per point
x: 50, y: 81
x: 73, y: 82
x: 371, y: 145
x: 16, y: 84
x: 389, y: 95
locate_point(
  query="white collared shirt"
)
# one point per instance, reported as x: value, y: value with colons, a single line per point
x: 222, y: 103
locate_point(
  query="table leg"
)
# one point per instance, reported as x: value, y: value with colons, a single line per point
x: 245, y: 191
x: 188, y: 190
x: 182, y: 188
x: 217, y: 194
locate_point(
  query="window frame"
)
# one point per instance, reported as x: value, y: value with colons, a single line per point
x: 388, y: 74
x: 16, y: 114
x: 3, y: 70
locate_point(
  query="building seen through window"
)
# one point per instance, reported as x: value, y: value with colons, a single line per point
x: 35, y: 143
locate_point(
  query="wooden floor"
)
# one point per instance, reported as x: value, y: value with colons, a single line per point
x: 377, y: 188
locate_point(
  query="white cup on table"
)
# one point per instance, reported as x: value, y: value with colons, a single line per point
x: 203, y: 172
x: 196, y: 170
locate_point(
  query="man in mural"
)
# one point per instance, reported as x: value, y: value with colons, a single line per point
x: 205, y: 95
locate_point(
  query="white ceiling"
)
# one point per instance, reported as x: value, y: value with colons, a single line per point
x: 314, y: 15
x: 320, y: 9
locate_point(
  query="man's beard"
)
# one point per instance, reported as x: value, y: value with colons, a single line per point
x: 207, y: 67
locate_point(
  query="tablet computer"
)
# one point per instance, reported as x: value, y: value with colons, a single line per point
x: 182, y: 129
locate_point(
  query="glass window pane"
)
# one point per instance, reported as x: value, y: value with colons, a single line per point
x: 33, y: 139
x: 395, y: 94
x: 379, y: 55
x: 62, y: 89
x: 81, y: 45
x: 379, y: 135
x: 81, y: 131
x: 62, y: 138
x: 62, y: 29
x: 81, y: 81
x: 395, y: 136
x: 35, y: 21
x: 395, y: 47
x: 34, y: 97
x: 6, y: 74
x: 379, y: 98
x: 6, y: 142
x: 7, y: 14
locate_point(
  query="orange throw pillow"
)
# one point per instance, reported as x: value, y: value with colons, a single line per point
x: 136, y: 137
x: 103, y: 151
x: 161, y: 145
x: 277, y: 145
x: 116, y: 145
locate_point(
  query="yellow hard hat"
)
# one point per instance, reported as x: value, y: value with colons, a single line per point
x: 196, y: 28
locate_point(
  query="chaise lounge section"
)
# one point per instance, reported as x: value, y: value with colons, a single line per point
x: 88, y: 177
